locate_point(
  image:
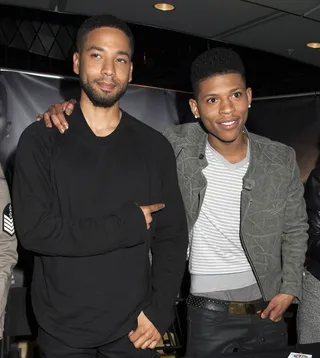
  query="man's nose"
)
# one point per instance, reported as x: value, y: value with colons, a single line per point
x: 226, y: 107
x: 108, y: 68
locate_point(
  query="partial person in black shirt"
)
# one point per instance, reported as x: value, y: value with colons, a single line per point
x: 308, y: 318
x: 91, y: 204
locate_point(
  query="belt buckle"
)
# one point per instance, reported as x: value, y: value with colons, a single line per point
x: 238, y: 308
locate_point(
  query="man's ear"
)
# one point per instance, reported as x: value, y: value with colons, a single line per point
x: 131, y: 69
x: 76, y: 63
x: 249, y: 95
x: 194, y: 107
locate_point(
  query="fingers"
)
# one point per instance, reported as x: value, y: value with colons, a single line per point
x: 60, y: 122
x: 267, y: 311
x: 55, y: 115
x: 264, y: 314
x: 57, y: 122
x: 276, y: 315
x: 277, y: 306
x: 47, y: 121
x: 146, y: 339
x: 134, y: 335
x: 40, y: 117
x: 146, y: 344
x: 70, y: 106
x: 151, y: 344
x: 156, y: 207
x: 138, y: 337
x: 274, y: 312
x: 146, y: 335
x: 148, y: 210
x: 154, y: 344
x: 147, y: 216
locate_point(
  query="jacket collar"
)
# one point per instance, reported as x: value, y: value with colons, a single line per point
x: 195, y: 140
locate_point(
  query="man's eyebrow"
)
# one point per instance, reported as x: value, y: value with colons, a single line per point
x: 237, y: 89
x: 97, y: 48
x: 125, y: 53
x: 101, y: 49
x: 216, y: 94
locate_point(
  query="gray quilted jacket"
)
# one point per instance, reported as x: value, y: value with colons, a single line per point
x: 273, y: 227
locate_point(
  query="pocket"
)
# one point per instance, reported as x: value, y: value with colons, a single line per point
x: 274, y: 334
x: 201, y: 325
x: 204, y: 329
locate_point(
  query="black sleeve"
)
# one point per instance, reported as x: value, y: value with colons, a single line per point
x: 169, y: 249
x: 43, y: 232
x: 312, y: 196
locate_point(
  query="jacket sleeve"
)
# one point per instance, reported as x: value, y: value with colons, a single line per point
x: 44, y: 232
x: 169, y: 249
x: 312, y: 196
x: 294, y: 240
x: 8, y: 246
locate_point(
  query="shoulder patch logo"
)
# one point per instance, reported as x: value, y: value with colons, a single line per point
x: 7, y: 220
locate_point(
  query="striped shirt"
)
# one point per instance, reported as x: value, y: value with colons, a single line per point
x: 215, y: 239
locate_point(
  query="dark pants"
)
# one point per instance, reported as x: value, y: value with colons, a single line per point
x: 121, y: 348
x: 211, y: 332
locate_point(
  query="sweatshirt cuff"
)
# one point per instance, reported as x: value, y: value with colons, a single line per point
x: 161, y: 319
x: 134, y: 220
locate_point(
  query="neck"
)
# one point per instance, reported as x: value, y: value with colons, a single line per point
x: 234, y: 151
x: 102, y: 121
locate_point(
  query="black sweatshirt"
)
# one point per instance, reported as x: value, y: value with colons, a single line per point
x: 75, y: 202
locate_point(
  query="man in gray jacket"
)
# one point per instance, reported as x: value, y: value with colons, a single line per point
x: 8, y: 246
x: 246, y: 215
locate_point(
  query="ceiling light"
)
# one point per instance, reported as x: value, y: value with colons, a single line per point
x: 164, y: 6
x: 314, y: 44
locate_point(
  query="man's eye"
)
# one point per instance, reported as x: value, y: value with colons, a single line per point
x: 237, y: 94
x: 122, y: 60
x: 212, y: 100
x: 95, y: 55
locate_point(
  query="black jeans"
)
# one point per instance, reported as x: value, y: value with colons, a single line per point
x: 121, y: 348
x: 211, y: 332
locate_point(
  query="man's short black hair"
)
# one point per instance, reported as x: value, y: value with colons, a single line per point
x: 95, y: 22
x: 217, y: 61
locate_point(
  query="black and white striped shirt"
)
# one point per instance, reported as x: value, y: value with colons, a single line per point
x: 215, y: 242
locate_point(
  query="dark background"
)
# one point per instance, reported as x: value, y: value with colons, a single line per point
x: 42, y: 41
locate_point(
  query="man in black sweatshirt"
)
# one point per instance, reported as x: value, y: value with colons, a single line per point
x: 91, y: 204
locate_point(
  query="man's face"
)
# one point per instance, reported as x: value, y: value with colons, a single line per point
x: 104, y: 66
x: 222, y: 103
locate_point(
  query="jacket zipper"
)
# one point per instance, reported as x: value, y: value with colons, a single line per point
x: 248, y: 256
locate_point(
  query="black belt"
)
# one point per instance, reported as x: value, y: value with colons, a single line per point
x: 226, y: 306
